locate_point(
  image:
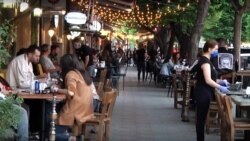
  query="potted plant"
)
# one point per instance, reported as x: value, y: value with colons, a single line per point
x: 9, y: 116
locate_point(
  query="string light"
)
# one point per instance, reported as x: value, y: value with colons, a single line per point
x: 147, y: 14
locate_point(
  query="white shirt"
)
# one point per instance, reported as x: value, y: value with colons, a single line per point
x: 20, y: 72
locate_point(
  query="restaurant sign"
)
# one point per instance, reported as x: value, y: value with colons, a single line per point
x: 76, y: 18
x: 96, y: 26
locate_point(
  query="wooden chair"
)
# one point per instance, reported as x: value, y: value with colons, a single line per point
x: 3, y: 73
x: 213, y: 118
x: 230, y: 77
x: 167, y: 82
x: 221, y: 111
x: 233, y: 124
x: 107, y: 86
x: 103, y: 119
x: 121, y: 74
x: 100, y: 90
x: 103, y: 75
x: 40, y: 69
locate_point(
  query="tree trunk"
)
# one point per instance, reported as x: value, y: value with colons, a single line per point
x: 240, y: 9
x: 237, y: 34
x: 203, y: 6
x: 162, y: 39
x: 184, y: 41
x: 171, y: 44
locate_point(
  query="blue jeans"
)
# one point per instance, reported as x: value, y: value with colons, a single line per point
x: 97, y: 104
x: 63, y: 135
x: 91, y: 70
x: 23, y: 124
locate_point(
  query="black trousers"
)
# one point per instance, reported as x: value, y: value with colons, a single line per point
x: 141, y: 67
x: 202, y: 105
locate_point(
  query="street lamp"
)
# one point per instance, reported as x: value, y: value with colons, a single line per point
x: 37, y: 12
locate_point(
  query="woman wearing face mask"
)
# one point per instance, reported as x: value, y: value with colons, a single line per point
x: 205, y: 87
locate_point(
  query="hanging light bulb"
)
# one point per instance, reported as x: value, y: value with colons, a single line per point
x: 63, y: 12
x: 82, y: 38
x: 69, y: 36
x: 24, y: 6
x: 51, y: 30
x: 37, y: 12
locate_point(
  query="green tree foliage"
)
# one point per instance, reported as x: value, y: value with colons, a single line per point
x: 180, y: 17
x: 246, y: 28
x: 219, y: 23
x: 7, y: 34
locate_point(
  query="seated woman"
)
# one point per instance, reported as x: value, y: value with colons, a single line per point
x: 167, y: 67
x: 23, y: 123
x: 78, y: 107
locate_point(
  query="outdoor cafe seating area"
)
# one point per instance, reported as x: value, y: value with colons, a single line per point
x: 124, y: 70
x: 177, y: 87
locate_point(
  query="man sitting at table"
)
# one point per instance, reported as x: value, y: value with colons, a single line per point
x: 223, y: 55
x: 20, y: 72
x: 46, y: 62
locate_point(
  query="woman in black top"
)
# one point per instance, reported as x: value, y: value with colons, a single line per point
x: 205, y: 86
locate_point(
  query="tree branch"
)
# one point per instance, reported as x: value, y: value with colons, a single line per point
x: 246, y: 6
x: 142, y: 25
x: 236, y: 4
x: 241, y: 9
x: 201, y: 16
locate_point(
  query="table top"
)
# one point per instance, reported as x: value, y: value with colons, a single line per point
x: 240, y: 101
x: 240, y: 93
x: 243, y: 72
x: 41, y: 96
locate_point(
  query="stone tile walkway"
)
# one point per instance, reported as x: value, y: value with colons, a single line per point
x: 143, y: 112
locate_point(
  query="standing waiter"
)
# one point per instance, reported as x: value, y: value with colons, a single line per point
x: 205, y: 87
x: 81, y: 51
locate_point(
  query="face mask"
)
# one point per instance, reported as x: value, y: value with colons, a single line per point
x: 214, y: 53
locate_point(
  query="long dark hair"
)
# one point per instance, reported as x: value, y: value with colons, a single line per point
x: 70, y: 62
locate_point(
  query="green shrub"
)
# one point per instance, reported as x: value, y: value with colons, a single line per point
x: 9, y: 115
x: 7, y: 35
